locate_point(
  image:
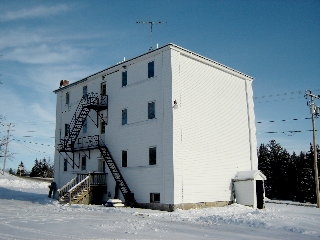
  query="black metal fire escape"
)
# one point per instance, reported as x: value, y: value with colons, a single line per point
x: 68, y: 144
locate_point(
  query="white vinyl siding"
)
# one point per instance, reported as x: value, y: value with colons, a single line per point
x: 192, y: 138
x: 213, y: 137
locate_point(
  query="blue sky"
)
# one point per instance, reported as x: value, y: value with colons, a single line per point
x: 42, y: 42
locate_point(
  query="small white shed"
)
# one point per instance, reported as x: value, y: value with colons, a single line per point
x: 249, y: 188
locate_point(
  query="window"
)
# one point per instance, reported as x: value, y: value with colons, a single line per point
x: 152, y: 156
x: 103, y: 89
x: 124, y: 117
x: 150, y: 69
x: 66, y: 129
x: 124, y: 158
x: 102, y: 126
x: 154, y: 197
x: 85, y: 126
x: 65, y: 165
x: 151, y: 110
x: 83, y: 163
x: 67, y: 98
x: 84, y: 91
x: 124, y: 78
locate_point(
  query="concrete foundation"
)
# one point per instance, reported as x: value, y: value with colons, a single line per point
x: 183, y: 206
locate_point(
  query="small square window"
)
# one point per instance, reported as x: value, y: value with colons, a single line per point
x: 150, y: 69
x: 124, y: 158
x: 124, y: 116
x: 154, y: 197
x: 124, y: 78
x: 151, y: 110
x: 152, y: 156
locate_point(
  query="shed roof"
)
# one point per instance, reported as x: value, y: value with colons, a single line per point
x: 249, y: 175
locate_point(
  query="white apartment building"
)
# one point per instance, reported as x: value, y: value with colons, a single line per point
x: 169, y: 129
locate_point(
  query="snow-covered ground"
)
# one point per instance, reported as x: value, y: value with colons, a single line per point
x: 27, y: 213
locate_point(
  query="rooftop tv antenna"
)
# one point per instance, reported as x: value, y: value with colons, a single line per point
x: 151, y: 28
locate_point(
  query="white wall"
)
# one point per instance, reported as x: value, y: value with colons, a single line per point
x: 140, y: 133
x: 211, y: 129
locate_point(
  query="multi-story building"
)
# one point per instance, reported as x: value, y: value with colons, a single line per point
x: 169, y: 128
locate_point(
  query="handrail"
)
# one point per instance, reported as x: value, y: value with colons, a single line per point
x: 79, y: 188
x: 67, y: 186
x: 88, y: 99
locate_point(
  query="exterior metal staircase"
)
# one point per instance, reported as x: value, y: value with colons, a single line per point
x: 68, y: 144
x: 124, y: 188
x: 87, y: 102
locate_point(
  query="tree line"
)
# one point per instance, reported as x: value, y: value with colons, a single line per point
x: 289, y: 176
x: 42, y: 168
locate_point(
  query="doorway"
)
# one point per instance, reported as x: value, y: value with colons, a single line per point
x: 260, y: 194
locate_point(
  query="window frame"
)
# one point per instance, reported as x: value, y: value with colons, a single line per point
x: 124, y: 116
x: 84, y: 162
x: 124, y: 158
x: 151, y: 69
x: 84, y: 91
x: 155, y: 197
x: 103, y: 89
x: 152, y: 153
x: 65, y: 165
x: 67, y: 98
x: 66, y: 129
x: 124, y: 81
x: 152, y: 110
x: 85, y: 126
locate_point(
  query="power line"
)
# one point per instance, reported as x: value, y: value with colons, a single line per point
x: 288, y: 131
x: 35, y: 143
x: 283, y: 120
x: 274, y: 97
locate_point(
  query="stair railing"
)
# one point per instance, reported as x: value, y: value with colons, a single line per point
x: 74, y: 127
x: 115, y: 171
x: 79, y: 188
x: 62, y: 191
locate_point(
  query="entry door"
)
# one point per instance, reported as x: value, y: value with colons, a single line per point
x: 260, y: 194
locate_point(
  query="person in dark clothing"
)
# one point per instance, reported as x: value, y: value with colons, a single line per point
x: 52, y: 189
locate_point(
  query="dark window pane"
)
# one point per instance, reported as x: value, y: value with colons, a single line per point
x: 151, y: 69
x: 83, y: 163
x: 66, y: 129
x: 152, y: 156
x: 124, y: 79
x: 124, y: 117
x: 154, y: 197
x: 151, y: 110
x: 67, y: 98
x: 124, y: 159
x: 84, y: 91
x: 103, y: 89
x: 65, y: 165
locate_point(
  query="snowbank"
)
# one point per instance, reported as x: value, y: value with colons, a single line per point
x: 27, y: 213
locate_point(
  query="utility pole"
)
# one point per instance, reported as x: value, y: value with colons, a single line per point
x: 315, y: 112
x: 6, y: 143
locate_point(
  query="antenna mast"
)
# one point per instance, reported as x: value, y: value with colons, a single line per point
x: 151, y: 28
